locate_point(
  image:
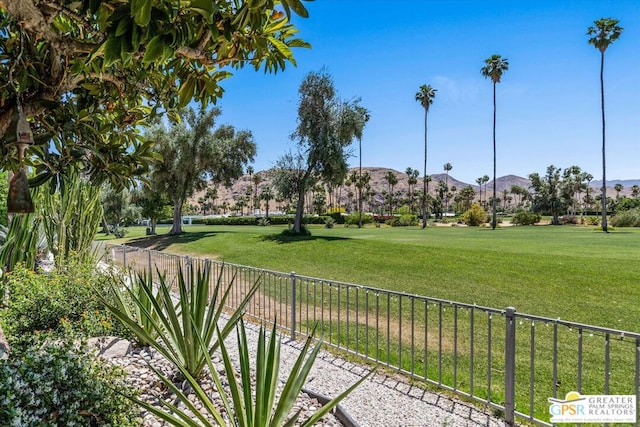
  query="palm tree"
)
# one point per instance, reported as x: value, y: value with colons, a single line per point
x: 257, y: 179
x: 495, y: 65
x: 485, y: 180
x: 412, y: 180
x: 364, y: 117
x: 392, y: 180
x: 618, y: 187
x: 425, y: 97
x: 480, y: 181
x: 604, y: 32
x: 447, y: 167
x: 267, y: 195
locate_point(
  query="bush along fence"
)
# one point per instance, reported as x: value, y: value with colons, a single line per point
x: 509, y: 361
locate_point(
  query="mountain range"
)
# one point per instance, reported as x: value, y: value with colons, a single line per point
x: 379, y: 184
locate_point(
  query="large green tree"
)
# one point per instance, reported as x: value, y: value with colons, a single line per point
x: 493, y: 69
x: 326, y: 127
x: 604, y: 32
x: 425, y: 97
x: 194, y: 154
x: 553, y: 193
x: 87, y: 74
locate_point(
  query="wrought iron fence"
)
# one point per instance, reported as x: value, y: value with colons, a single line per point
x: 510, y: 361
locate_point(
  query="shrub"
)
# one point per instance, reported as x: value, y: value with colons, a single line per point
x: 246, y: 405
x: 289, y: 232
x: 475, y: 216
x: 175, y: 326
x: 403, y: 221
x: 40, y: 302
x: 329, y: 222
x: 525, y: 218
x: 62, y: 384
x: 354, y: 219
x: 263, y: 222
x: 569, y: 219
x: 593, y: 220
x: 630, y: 218
x: 337, y: 216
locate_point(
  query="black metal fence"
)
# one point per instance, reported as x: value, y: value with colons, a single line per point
x: 510, y: 361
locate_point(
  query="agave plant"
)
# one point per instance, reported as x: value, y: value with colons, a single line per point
x: 181, y: 329
x: 246, y: 407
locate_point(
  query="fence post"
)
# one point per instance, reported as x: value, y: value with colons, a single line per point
x: 510, y: 366
x: 293, y: 305
x: 187, y: 271
x: 150, y: 266
x: 124, y: 257
x: 207, y: 272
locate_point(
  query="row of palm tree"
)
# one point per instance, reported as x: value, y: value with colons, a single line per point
x: 604, y: 32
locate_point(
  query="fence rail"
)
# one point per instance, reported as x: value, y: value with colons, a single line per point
x: 510, y: 361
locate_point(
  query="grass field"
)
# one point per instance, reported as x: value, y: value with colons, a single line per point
x: 575, y: 273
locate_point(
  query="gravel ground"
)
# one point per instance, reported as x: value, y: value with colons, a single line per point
x: 382, y: 400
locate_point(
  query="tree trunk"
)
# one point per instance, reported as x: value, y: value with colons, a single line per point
x: 424, y: 177
x: 604, y: 163
x: 153, y: 221
x: 297, y: 222
x: 177, y: 219
x: 359, y: 186
x: 493, y: 198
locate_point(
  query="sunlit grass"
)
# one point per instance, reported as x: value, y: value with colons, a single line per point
x: 575, y: 273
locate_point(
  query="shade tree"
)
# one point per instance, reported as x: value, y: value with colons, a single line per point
x: 326, y: 127
x: 88, y: 74
x: 194, y: 154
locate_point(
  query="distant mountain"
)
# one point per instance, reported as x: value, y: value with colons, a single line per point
x: 379, y: 184
x: 626, y: 183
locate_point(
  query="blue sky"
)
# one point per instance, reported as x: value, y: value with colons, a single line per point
x: 382, y: 51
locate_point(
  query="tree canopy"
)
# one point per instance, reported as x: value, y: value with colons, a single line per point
x: 326, y: 127
x: 87, y: 74
x: 195, y: 154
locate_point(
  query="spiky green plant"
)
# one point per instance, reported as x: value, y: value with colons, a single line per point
x: 70, y: 216
x: 246, y: 407
x: 179, y: 324
x: 21, y: 242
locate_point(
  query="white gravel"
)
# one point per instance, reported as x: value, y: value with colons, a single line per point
x: 382, y: 400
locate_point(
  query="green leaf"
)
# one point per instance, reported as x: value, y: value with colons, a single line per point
x: 281, y: 47
x: 297, y: 7
x: 185, y: 93
x: 154, y: 50
x: 123, y: 26
x: 204, y: 8
x: 111, y: 51
x: 141, y: 12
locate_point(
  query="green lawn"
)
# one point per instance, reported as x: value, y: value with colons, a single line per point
x: 576, y: 273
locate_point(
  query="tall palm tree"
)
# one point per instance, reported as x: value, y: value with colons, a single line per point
x: 425, y: 97
x: 447, y: 167
x: 495, y: 65
x: 412, y: 180
x: 604, y: 32
x: 480, y: 181
x: 364, y: 118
